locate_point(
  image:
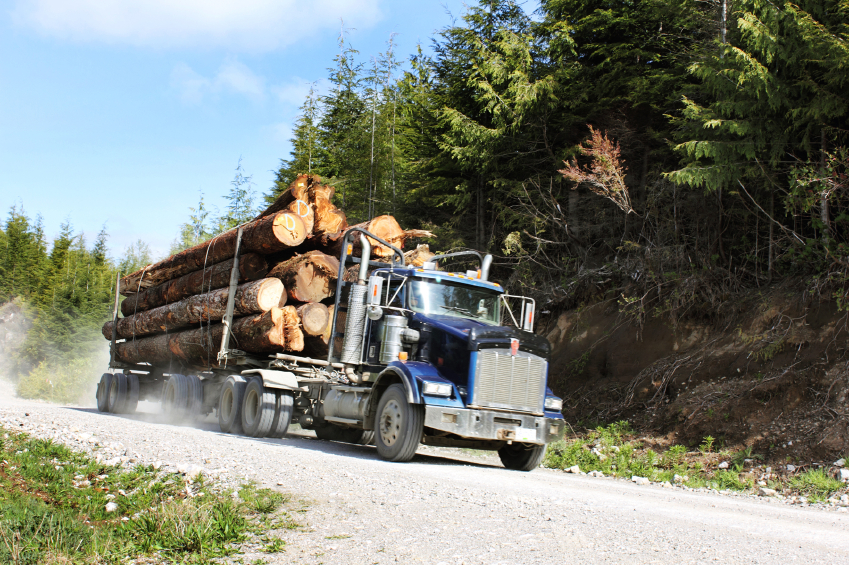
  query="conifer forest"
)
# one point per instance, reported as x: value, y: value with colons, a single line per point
x: 670, y: 153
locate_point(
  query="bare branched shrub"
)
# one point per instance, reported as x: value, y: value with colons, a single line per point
x: 606, y: 174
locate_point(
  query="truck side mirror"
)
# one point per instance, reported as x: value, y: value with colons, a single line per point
x: 528, y: 322
x: 375, y: 288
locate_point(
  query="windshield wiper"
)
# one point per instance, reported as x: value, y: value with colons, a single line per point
x: 457, y: 309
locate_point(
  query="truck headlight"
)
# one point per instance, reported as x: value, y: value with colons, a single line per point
x: 437, y: 389
x: 553, y: 403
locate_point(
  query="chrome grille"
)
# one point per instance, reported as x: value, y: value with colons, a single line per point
x: 507, y: 381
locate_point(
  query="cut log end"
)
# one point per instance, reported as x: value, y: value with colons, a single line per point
x: 314, y: 318
x: 270, y: 293
x: 289, y: 229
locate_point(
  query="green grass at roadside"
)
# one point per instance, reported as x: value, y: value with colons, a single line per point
x: 60, y: 506
x: 615, y: 450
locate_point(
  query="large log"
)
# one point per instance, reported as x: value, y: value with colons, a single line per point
x: 263, y: 333
x: 253, y: 297
x: 318, y: 346
x: 251, y: 268
x: 322, y: 217
x: 266, y: 235
x: 310, y: 277
x: 250, y: 298
x: 384, y: 227
x: 298, y: 190
x: 314, y: 318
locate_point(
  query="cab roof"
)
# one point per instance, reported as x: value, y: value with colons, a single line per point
x: 443, y: 275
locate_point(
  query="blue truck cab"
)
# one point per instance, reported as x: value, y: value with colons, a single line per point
x: 444, y: 359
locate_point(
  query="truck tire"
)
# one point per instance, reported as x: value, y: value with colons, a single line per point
x: 132, y: 393
x: 118, y: 393
x: 332, y: 432
x: 399, y: 425
x: 102, y: 394
x: 521, y: 457
x: 258, y: 407
x: 194, y: 406
x: 230, y: 405
x: 175, y: 398
x: 283, y: 407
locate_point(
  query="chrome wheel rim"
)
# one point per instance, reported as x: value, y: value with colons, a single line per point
x: 390, y: 423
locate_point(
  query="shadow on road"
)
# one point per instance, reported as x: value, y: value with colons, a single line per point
x: 301, y: 439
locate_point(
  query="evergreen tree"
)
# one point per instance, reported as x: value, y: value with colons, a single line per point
x: 306, y: 154
x: 241, y: 200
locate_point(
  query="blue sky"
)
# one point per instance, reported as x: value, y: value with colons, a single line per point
x: 121, y: 112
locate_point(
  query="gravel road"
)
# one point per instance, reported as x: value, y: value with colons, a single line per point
x: 444, y: 508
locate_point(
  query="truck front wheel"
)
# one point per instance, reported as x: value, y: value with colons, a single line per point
x: 399, y: 425
x: 521, y: 456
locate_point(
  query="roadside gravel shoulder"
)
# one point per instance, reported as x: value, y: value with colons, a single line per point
x: 464, y: 509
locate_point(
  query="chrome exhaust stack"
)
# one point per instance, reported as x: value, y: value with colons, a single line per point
x: 355, y: 323
x: 485, y: 266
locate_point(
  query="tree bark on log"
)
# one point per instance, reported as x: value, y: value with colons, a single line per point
x: 252, y: 297
x: 251, y: 268
x: 314, y: 318
x: 265, y: 235
x: 310, y: 277
x: 264, y: 333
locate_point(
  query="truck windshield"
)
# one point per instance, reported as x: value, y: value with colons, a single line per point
x: 445, y: 298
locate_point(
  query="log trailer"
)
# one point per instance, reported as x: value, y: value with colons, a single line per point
x: 416, y: 356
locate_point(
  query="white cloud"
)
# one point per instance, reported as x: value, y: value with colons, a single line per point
x: 253, y: 25
x: 236, y: 77
x: 232, y: 76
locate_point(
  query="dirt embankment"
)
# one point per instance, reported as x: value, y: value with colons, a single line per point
x: 773, y: 376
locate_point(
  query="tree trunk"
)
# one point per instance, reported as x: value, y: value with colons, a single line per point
x: 251, y: 268
x: 826, y: 225
x: 310, y: 277
x: 264, y: 333
x: 314, y: 318
x: 251, y: 298
x: 266, y: 235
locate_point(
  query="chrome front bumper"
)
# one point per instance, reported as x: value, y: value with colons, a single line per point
x: 492, y: 424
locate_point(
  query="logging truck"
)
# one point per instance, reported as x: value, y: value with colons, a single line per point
x: 415, y: 355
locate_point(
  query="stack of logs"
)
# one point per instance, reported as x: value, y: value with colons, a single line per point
x: 288, y: 266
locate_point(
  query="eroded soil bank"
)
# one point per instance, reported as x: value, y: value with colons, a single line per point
x: 770, y: 372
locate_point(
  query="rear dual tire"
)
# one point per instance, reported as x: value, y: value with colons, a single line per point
x: 118, y: 393
x: 251, y: 408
